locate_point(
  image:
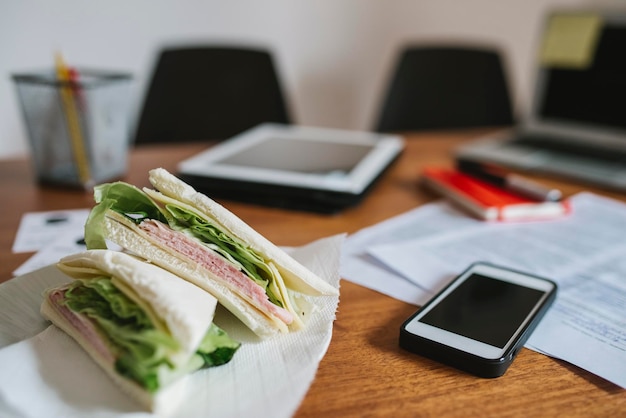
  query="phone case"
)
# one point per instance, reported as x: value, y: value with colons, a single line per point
x: 479, y: 366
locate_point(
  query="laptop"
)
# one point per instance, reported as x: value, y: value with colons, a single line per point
x: 576, y: 127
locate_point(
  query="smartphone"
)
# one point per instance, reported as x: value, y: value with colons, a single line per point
x: 481, y: 320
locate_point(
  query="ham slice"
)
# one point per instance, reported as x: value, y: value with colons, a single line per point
x: 231, y: 276
x: 83, y: 325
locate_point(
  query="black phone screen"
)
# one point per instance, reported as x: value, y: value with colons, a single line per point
x: 484, y: 309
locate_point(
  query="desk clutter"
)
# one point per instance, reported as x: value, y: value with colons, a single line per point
x: 516, y: 235
x: 414, y: 255
x: 77, y: 122
x: 574, y: 127
x: 490, y: 194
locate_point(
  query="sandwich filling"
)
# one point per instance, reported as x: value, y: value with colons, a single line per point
x: 210, y: 259
x: 126, y: 338
x: 180, y: 228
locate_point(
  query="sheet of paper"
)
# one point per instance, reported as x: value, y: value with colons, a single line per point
x: 583, y: 253
x: 570, y: 40
x: 37, y: 230
x: 426, y: 221
x: 67, y: 242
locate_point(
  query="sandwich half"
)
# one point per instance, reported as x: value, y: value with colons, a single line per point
x: 194, y: 237
x: 143, y: 325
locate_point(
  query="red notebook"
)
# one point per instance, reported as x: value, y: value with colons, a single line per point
x: 487, y: 201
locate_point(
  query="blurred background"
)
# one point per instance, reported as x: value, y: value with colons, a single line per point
x: 333, y: 56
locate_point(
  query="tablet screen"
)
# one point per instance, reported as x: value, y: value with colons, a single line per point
x: 303, y: 156
x: 297, y: 157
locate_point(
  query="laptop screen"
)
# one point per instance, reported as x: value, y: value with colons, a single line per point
x: 596, y: 93
x: 577, y: 123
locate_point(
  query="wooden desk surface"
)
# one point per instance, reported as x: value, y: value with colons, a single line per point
x: 364, y: 373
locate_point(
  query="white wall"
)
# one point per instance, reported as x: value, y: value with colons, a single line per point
x: 334, y: 55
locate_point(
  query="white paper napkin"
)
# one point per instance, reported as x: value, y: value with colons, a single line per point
x: 48, y: 374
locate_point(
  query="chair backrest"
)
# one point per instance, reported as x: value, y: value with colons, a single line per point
x: 210, y: 93
x: 446, y: 87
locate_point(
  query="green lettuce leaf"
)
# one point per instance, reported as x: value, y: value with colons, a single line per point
x: 142, y: 350
x: 123, y: 198
x: 133, y: 203
x: 242, y: 256
x: 217, y: 347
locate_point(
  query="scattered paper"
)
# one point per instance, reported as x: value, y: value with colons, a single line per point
x: 68, y: 242
x: 583, y: 253
x: 37, y: 230
x: 570, y: 40
x: 434, y: 219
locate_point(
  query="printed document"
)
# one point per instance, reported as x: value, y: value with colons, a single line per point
x: 583, y: 253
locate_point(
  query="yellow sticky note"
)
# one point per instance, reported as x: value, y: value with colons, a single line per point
x: 570, y: 40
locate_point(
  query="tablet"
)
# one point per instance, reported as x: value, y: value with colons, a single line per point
x: 298, y: 167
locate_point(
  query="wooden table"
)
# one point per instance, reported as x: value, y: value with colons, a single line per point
x: 364, y: 373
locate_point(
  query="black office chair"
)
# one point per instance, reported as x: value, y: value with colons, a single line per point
x: 210, y: 93
x: 446, y: 87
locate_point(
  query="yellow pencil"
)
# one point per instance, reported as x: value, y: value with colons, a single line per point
x: 73, y: 123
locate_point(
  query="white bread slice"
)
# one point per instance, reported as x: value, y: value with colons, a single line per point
x: 156, y: 290
x: 126, y: 234
x: 184, y: 309
x: 296, y: 276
